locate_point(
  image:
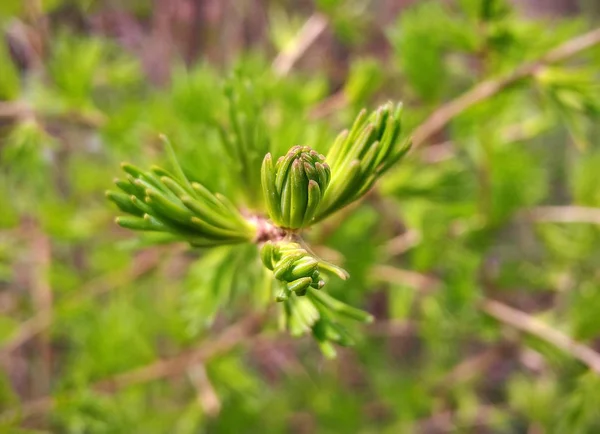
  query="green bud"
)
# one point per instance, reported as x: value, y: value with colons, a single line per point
x: 296, y: 267
x: 359, y: 157
x: 160, y: 202
x: 299, y: 286
x: 267, y: 253
x: 305, y: 266
x: 294, y: 186
x: 285, y: 265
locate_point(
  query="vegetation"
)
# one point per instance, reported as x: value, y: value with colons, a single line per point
x: 468, y: 299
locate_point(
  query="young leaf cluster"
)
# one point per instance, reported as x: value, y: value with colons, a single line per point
x: 307, y: 309
x: 361, y: 155
x: 319, y: 313
x: 295, y: 267
x: 299, y: 189
x: 158, y: 201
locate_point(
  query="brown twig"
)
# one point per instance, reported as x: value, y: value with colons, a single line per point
x: 308, y: 34
x: 524, y: 322
x: 486, y: 89
x: 20, y: 111
x: 15, y: 109
x: 532, y: 360
x: 402, y: 243
x: 30, y: 328
x: 503, y: 313
x: 392, y: 328
x: 26, y: 331
x: 419, y: 281
x: 472, y: 366
x: 449, y: 421
x: 564, y: 214
x: 41, y: 294
x: 225, y: 341
x: 438, y: 153
x: 207, y: 396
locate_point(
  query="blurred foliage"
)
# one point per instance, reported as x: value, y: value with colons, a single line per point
x: 459, y: 221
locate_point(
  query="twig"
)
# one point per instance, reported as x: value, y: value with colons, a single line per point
x: 207, y: 397
x: 228, y: 339
x: 391, y: 328
x: 472, y: 366
x: 532, y: 360
x: 21, y: 111
x: 506, y: 314
x: 449, y: 421
x: 225, y: 341
x: 41, y: 294
x: 527, y: 323
x: 15, y: 109
x: 402, y: 243
x: 438, y: 153
x: 26, y: 331
x: 564, y: 214
x: 308, y: 34
x: 416, y: 280
x: 94, y: 288
x: 486, y: 89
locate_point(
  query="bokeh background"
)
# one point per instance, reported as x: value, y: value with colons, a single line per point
x: 478, y: 254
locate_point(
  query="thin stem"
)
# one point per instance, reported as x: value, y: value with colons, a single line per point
x: 563, y: 214
x: 524, y: 322
x: 514, y: 318
x: 159, y: 369
x: 486, y: 89
x: 308, y: 34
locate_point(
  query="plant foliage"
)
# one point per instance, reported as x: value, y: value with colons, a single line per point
x: 284, y: 223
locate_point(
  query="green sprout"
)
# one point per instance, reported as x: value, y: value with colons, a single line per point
x: 294, y: 186
x: 299, y: 189
x: 296, y: 267
x: 360, y: 156
x: 159, y: 201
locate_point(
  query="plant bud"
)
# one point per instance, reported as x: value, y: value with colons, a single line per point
x: 295, y: 267
x: 360, y: 156
x: 160, y: 202
x: 293, y: 187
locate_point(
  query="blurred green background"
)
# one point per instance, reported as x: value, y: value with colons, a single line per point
x: 478, y: 254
